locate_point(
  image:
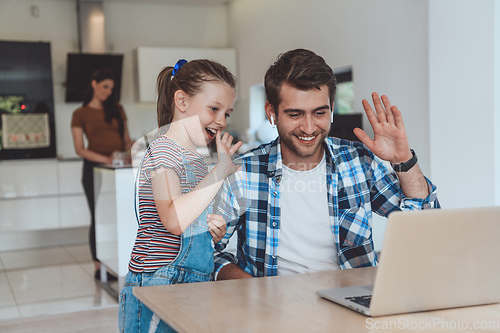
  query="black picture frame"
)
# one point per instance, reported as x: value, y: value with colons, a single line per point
x: 26, y: 70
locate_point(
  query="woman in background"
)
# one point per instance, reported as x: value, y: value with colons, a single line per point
x: 103, y: 121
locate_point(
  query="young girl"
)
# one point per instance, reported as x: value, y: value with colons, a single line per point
x: 174, y: 238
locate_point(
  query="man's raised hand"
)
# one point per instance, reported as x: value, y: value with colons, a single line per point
x: 390, y: 142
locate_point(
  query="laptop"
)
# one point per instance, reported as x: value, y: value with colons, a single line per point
x: 431, y: 259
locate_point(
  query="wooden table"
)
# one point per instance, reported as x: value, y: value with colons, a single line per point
x: 290, y: 304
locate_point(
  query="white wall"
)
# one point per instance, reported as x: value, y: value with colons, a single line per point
x: 128, y: 25
x: 385, y: 42
x: 497, y: 101
x: 464, y: 150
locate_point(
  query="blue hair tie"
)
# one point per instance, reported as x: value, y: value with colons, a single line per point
x: 178, y: 66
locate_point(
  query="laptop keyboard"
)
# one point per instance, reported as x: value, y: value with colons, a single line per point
x: 362, y: 300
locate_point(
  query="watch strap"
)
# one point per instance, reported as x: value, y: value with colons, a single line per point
x: 405, y: 166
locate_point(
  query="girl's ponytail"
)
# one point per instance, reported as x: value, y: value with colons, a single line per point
x: 164, y: 105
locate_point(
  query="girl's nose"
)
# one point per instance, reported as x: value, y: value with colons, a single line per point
x: 221, y: 120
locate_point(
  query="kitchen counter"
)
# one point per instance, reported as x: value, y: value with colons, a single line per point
x: 116, y: 224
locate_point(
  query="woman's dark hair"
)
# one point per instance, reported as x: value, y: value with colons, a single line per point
x: 111, y: 107
x: 302, y: 69
x: 189, y: 79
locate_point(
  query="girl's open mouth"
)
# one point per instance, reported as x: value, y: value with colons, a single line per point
x: 211, y: 132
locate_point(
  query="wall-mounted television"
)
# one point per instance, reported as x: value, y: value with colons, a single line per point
x: 27, y: 126
x: 80, y: 67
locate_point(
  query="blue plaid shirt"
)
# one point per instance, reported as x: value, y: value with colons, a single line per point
x: 358, y: 183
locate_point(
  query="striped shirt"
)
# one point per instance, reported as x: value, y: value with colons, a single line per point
x: 154, y: 246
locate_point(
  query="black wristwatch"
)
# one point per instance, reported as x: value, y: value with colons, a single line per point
x: 405, y: 166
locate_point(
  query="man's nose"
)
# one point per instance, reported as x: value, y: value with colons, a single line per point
x: 307, y: 125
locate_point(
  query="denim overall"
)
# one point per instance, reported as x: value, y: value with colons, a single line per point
x: 194, y: 263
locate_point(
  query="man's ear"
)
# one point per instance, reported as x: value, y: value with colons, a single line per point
x: 270, y: 114
x: 181, y: 100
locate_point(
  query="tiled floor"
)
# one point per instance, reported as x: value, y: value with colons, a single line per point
x: 90, y: 321
x: 49, y: 281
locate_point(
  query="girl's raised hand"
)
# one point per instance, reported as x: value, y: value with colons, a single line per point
x: 224, y: 144
x: 225, y: 152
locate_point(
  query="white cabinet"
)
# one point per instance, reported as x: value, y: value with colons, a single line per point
x: 42, y: 195
x: 28, y: 178
x: 29, y: 214
x: 73, y: 207
x: 73, y: 211
x: 70, y: 177
x: 116, y: 223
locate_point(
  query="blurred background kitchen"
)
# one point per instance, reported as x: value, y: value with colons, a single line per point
x: 438, y: 60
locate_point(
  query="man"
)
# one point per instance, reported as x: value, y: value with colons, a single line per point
x: 304, y: 202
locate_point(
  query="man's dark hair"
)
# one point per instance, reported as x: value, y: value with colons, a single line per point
x: 300, y: 68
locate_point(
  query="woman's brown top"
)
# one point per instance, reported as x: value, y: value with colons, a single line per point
x: 103, y: 137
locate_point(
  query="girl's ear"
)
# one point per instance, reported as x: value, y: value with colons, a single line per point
x: 93, y: 84
x: 181, y: 100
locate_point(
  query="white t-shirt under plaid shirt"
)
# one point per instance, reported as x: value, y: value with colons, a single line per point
x: 154, y: 246
x: 305, y: 240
